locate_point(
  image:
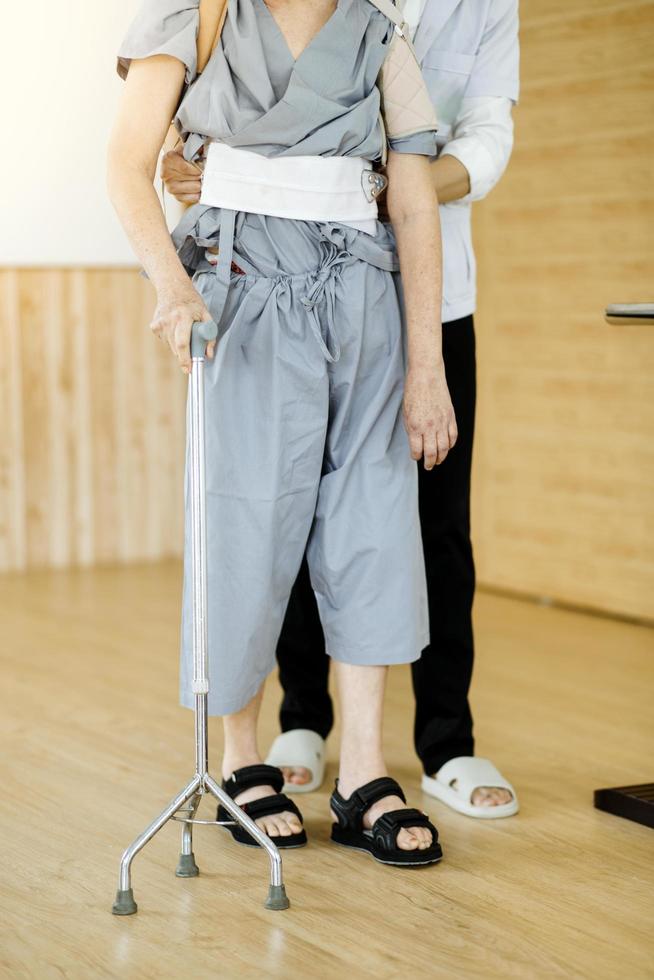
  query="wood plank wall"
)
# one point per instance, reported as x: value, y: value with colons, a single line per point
x: 91, y: 458
x: 92, y: 408
x: 564, y: 477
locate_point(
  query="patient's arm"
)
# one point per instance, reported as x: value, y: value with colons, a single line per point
x: 149, y: 99
x: 413, y: 210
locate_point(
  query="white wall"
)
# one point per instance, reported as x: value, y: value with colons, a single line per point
x: 59, y: 94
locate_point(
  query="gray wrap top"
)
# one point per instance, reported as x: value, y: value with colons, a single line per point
x: 254, y: 95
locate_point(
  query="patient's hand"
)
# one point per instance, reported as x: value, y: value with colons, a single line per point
x: 182, y: 179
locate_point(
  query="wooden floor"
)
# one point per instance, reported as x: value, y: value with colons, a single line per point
x: 94, y: 744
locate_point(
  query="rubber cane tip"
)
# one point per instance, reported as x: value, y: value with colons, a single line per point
x: 277, y: 899
x: 124, y: 904
x: 187, y: 868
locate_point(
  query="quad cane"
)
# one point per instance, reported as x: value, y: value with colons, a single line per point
x: 184, y: 807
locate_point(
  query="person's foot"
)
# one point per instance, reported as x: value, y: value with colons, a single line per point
x: 300, y: 754
x: 277, y: 824
x: 296, y: 775
x: 473, y: 786
x: 409, y: 838
x: 485, y: 795
x: 488, y: 795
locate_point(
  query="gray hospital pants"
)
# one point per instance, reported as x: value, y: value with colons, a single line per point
x: 306, y: 449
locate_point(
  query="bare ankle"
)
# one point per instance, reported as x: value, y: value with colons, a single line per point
x: 237, y: 760
x: 351, y: 778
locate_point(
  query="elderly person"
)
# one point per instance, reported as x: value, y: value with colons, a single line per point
x: 305, y: 391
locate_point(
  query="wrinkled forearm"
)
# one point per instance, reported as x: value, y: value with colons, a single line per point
x: 413, y: 210
x: 136, y: 203
x: 419, y: 247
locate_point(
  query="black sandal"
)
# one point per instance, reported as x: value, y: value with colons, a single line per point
x: 260, y: 775
x: 382, y: 839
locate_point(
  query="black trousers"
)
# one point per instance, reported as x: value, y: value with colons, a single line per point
x: 441, y: 678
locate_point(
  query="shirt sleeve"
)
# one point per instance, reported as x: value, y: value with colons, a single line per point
x: 162, y: 27
x: 482, y: 139
x: 496, y: 69
x: 423, y: 143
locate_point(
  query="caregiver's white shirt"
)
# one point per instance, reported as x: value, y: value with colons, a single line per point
x: 470, y: 59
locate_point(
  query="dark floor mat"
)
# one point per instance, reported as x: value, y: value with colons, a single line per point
x: 631, y: 802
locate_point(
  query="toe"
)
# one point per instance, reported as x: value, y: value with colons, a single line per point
x: 280, y: 825
x: 407, y: 841
x: 491, y: 796
x: 293, y: 823
x: 263, y: 825
x: 408, y: 838
x: 300, y: 776
x: 271, y: 826
x: 296, y: 775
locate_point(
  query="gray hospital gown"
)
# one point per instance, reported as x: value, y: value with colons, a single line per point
x: 306, y: 446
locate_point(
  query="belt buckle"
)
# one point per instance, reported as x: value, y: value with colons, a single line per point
x: 373, y: 184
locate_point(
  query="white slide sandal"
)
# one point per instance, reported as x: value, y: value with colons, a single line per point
x: 469, y: 773
x: 300, y: 747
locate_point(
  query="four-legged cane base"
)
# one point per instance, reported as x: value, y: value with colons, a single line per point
x: 202, y: 782
x: 187, y: 868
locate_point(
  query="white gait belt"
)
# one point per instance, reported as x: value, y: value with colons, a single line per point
x: 308, y: 188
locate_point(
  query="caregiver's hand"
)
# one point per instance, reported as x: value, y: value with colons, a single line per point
x: 176, y: 312
x: 429, y: 415
x: 182, y: 179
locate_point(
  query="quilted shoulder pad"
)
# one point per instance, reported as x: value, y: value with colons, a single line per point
x: 406, y: 104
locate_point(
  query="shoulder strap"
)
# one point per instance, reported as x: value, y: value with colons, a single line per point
x: 391, y: 10
x: 212, y: 19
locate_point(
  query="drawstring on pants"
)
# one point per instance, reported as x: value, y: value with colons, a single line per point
x: 323, y: 286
